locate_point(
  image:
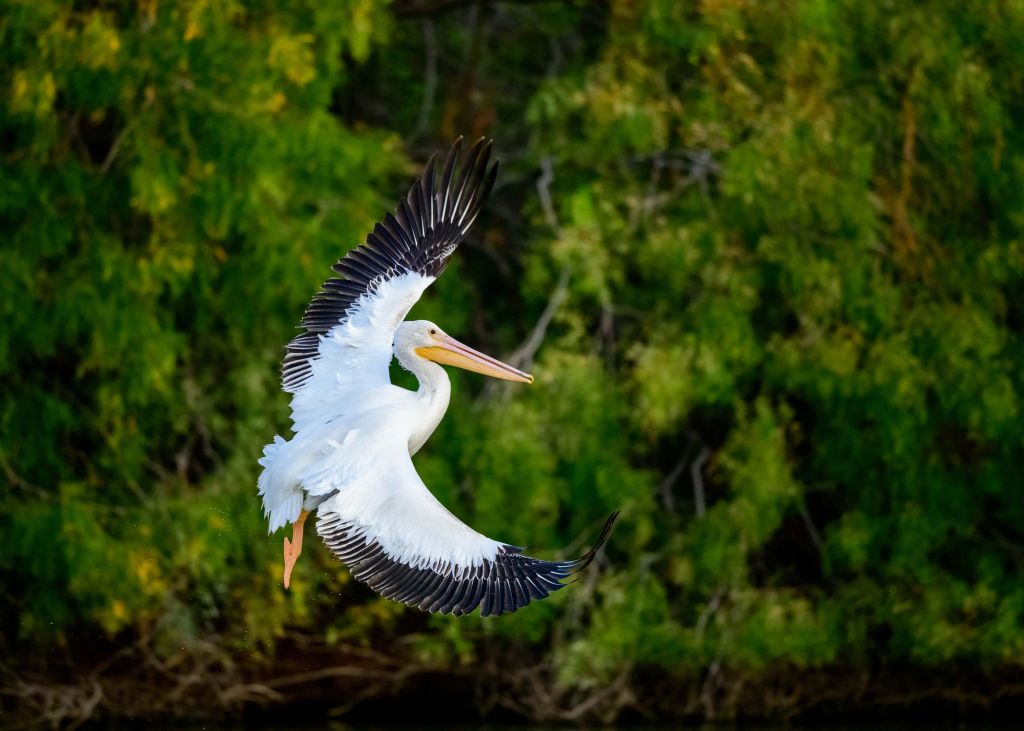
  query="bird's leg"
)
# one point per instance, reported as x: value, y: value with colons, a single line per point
x: 293, y: 548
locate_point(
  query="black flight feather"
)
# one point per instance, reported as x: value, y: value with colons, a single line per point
x: 419, y: 236
x: 500, y: 586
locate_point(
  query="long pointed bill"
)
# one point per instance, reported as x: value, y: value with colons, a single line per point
x: 450, y: 351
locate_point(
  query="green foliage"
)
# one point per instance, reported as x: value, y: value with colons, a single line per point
x: 793, y: 253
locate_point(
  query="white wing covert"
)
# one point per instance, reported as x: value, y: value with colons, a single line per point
x: 350, y: 324
x: 396, y: 537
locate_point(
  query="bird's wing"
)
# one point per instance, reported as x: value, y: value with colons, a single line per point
x: 350, y: 324
x: 395, y: 536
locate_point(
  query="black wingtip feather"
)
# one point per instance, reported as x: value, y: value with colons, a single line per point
x: 420, y: 235
x: 500, y: 586
x: 585, y: 560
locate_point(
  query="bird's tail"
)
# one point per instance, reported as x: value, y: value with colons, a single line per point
x: 282, y: 497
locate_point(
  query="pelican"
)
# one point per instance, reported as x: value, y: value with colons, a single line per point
x: 350, y: 457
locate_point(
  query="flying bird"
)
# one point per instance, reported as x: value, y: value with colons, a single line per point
x: 350, y: 458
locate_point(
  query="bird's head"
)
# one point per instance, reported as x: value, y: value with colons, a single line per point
x: 426, y: 340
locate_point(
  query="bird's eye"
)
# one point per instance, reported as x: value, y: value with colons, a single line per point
x: 433, y: 332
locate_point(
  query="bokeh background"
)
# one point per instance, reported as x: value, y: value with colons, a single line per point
x: 766, y: 261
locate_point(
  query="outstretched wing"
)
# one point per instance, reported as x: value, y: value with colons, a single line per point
x: 351, y: 322
x: 395, y: 536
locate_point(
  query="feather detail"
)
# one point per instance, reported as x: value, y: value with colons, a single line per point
x: 418, y: 238
x: 500, y: 583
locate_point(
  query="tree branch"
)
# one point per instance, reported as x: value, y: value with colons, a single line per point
x: 430, y: 78
x: 699, y: 503
x: 522, y: 356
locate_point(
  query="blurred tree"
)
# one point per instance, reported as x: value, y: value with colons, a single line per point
x: 765, y: 259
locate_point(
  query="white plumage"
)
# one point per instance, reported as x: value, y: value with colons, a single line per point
x: 355, y: 432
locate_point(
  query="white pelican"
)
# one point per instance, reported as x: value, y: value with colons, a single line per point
x: 350, y: 458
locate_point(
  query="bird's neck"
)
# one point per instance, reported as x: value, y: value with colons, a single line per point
x: 432, y: 398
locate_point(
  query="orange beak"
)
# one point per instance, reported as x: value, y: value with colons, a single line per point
x: 450, y: 351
